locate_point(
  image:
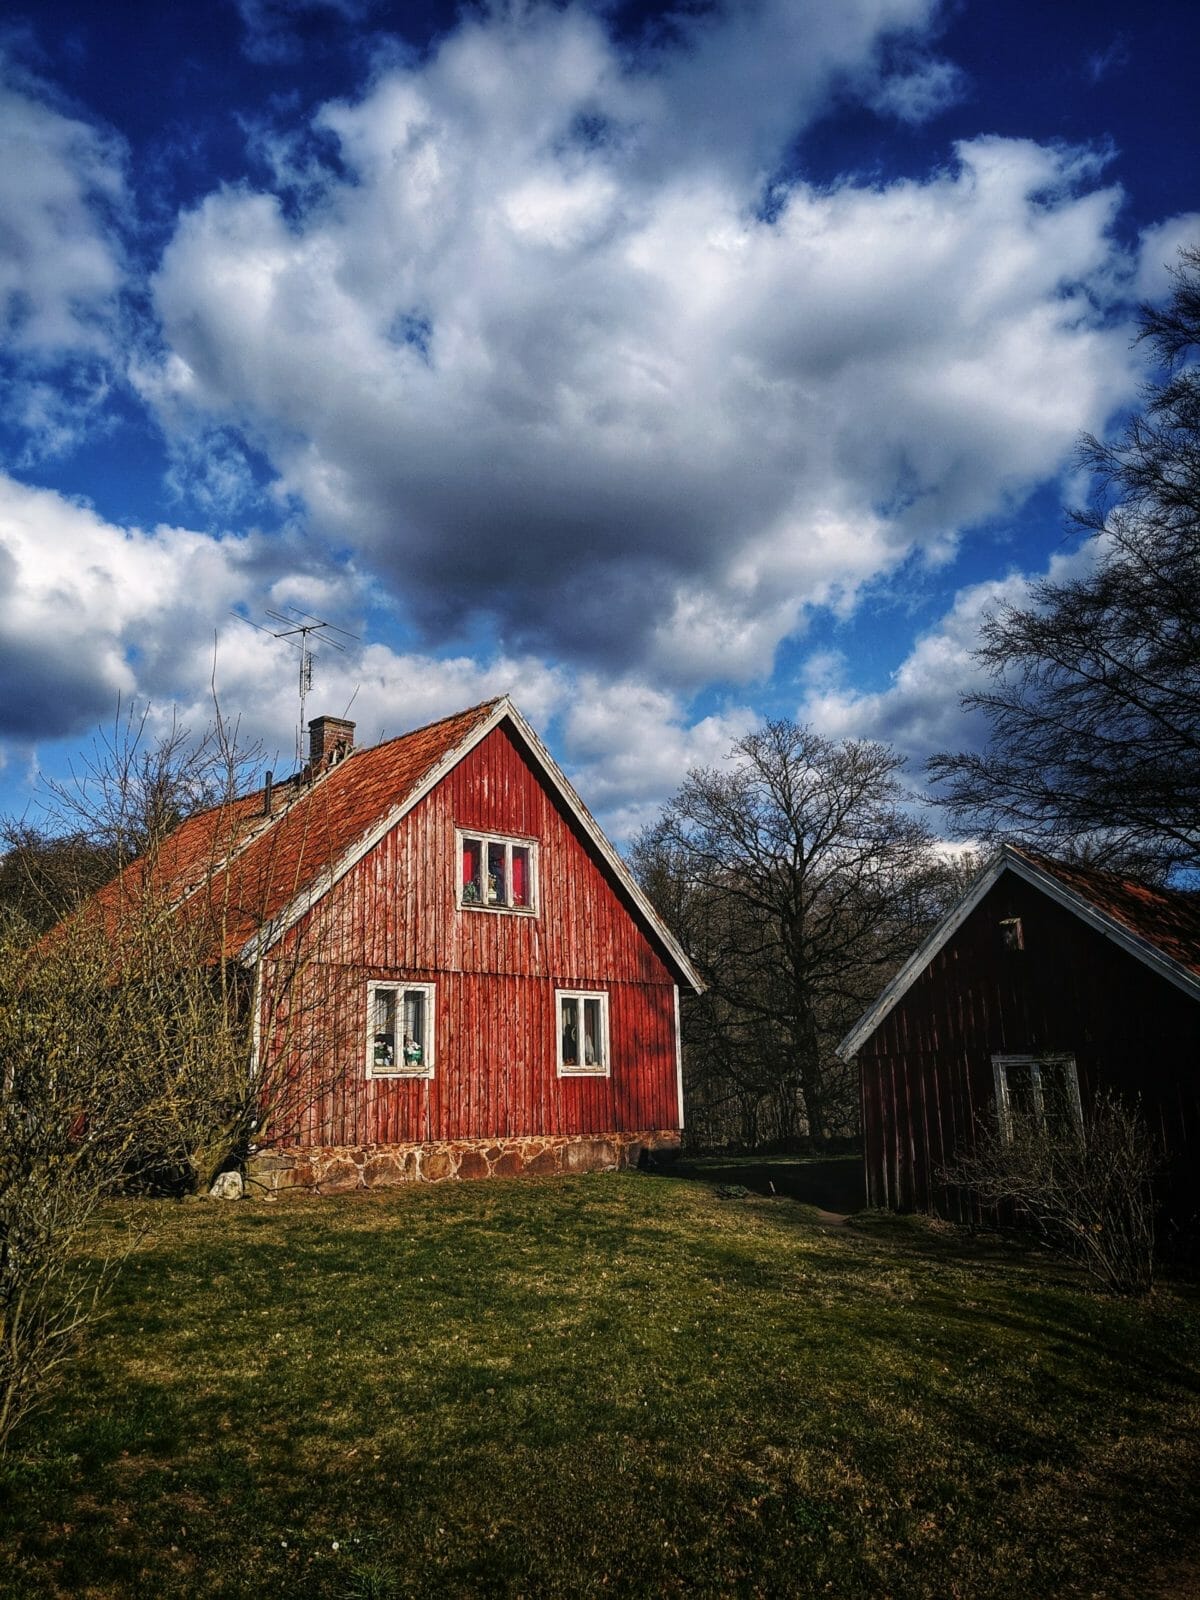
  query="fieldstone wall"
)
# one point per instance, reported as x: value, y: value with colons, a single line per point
x: 336, y: 1169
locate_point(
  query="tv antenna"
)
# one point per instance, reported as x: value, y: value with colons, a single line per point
x: 297, y: 628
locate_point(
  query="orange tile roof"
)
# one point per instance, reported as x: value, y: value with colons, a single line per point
x: 1168, y: 919
x: 231, y: 870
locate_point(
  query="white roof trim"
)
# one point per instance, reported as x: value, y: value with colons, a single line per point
x: 1010, y: 860
x: 504, y: 709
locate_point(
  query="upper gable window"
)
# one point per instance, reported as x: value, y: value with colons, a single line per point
x: 1012, y: 933
x: 496, y: 873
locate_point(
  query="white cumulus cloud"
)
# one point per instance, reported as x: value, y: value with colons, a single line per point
x: 90, y: 611
x: 62, y: 195
x: 92, y: 614
x: 542, y: 362
x: 920, y: 712
x: 61, y: 180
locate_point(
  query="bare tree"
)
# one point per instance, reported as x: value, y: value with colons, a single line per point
x: 121, y: 798
x: 1094, y: 694
x: 796, y: 879
x: 136, y: 782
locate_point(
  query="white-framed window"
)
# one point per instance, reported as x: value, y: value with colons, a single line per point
x: 400, y: 1032
x: 496, y: 873
x: 581, y: 1022
x: 1042, y: 1090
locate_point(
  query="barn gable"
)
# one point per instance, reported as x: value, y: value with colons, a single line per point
x: 1157, y: 927
x: 395, y: 903
x: 1047, y: 978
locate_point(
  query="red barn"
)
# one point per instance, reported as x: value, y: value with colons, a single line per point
x: 1045, y: 983
x: 455, y: 972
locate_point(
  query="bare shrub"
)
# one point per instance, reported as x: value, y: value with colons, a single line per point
x: 1087, y: 1185
x: 122, y: 1061
x: 66, y: 1130
x: 126, y: 1031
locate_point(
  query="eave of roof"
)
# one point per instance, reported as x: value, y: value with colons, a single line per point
x: 1077, y: 890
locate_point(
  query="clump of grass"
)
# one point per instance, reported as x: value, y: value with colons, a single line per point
x: 598, y: 1382
x: 915, y: 1225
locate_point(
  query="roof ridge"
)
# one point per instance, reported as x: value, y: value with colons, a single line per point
x: 452, y: 716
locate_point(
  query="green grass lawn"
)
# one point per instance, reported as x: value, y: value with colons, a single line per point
x: 609, y: 1383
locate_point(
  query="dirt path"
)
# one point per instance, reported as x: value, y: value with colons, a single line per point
x: 831, y: 1219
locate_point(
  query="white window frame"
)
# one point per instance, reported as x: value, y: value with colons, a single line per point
x: 509, y: 842
x: 400, y: 987
x: 1061, y: 1059
x: 597, y: 1069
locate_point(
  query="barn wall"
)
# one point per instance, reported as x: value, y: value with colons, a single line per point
x: 395, y: 917
x: 927, y: 1072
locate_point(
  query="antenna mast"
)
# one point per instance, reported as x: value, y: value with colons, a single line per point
x: 297, y: 629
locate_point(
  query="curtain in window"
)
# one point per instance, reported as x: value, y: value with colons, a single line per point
x: 383, y: 1051
x: 593, y: 1035
x: 471, y: 869
x: 414, y: 1028
x: 520, y: 876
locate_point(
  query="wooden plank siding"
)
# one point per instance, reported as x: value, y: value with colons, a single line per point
x: 394, y: 917
x: 927, y: 1075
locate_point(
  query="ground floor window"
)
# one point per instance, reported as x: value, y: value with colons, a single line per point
x: 582, y: 1021
x: 1039, y: 1090
x: 400, y: 1038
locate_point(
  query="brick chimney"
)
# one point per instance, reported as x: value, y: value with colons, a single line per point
x: 329, y: 739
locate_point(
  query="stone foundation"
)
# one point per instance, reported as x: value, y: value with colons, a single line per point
x: 337, y: 1169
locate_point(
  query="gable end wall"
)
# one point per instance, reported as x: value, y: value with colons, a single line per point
x: 926, y: 1071
x: 394, y: 917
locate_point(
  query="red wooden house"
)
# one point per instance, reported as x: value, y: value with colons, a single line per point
x: 454, y: 970
x: 1045, y: 983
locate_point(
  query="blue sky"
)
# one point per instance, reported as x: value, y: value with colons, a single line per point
x: 666, y: 367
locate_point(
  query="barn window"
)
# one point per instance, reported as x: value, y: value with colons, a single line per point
x: 1042, y: 1091
x: 1012, y: 934
x: 582, y: 1032
x: 400, y: 1038
x: 496, y: 874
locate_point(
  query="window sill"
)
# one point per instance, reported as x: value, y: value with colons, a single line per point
x: 506, y: 911
x: 584, y: 1072
x: 392, y: 1073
